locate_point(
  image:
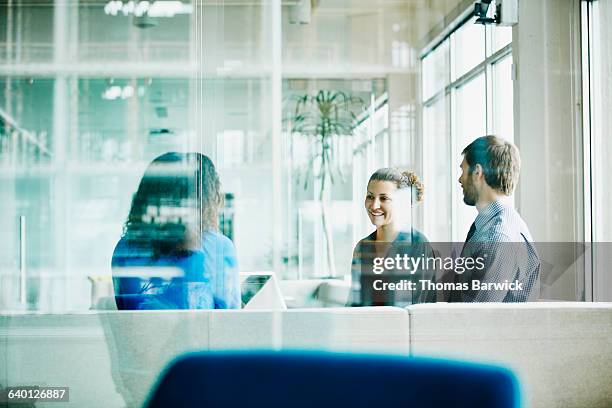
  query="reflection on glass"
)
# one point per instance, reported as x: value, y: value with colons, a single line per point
x: 28, y: 187
x: 26, y: 109
x: 136, y: 118
x: 126, y: 31
x: 357, y: 130
x: 20, y: 42
x: 171, y: 255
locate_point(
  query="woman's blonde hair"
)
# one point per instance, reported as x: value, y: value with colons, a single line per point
x: 402, y: 179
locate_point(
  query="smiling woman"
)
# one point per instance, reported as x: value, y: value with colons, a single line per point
x: 390, y: 196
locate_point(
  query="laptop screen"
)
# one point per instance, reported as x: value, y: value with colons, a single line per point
x: 251, y: 285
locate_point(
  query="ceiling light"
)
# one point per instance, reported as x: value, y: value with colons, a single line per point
x: 169, y: 9
x: 115, y: 92
x: 112, y: 92
x: 161, y: 8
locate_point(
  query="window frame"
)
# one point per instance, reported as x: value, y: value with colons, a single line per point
x: 449, y: 90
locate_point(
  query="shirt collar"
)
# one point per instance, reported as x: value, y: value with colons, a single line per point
x: 401, y: 236
x: 487, y: 213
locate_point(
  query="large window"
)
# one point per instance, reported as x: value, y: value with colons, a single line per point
x: 467, y: 93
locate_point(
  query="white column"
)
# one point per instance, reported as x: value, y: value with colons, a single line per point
x: 276, y: 117
x: 548, y: 126
x: 61, y: 276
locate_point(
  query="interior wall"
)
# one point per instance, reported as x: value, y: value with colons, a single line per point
x: 548, y: 127
x: 601, y: 88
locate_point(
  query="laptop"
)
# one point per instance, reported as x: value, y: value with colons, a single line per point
x: 260, y: 291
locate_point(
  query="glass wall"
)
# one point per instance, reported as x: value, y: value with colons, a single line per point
x: 337, y: 190
x: 92, y: 92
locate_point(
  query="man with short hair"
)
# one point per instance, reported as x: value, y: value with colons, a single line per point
x: 510, y: 264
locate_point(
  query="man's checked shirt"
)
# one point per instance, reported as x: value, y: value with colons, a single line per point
x: 502, y: 237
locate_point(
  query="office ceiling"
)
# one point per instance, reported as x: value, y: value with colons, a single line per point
x: 356, y: 33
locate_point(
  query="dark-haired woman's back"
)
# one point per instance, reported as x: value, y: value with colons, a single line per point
x: 202, y: 278
x: 171, y: 255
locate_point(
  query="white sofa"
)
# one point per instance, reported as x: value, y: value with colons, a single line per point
x: 111, y: 359
x: 562, y: 352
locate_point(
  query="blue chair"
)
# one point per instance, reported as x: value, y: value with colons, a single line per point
x: 320, y: 379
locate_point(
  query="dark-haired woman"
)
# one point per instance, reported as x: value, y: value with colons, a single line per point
x: 382, y: 270
x: 171, y: 254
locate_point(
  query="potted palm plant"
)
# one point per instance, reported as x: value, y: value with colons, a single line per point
x: 321, y: 117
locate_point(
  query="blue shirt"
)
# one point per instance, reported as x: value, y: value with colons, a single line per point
x: 500, y: 236
x: 205, y: 278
